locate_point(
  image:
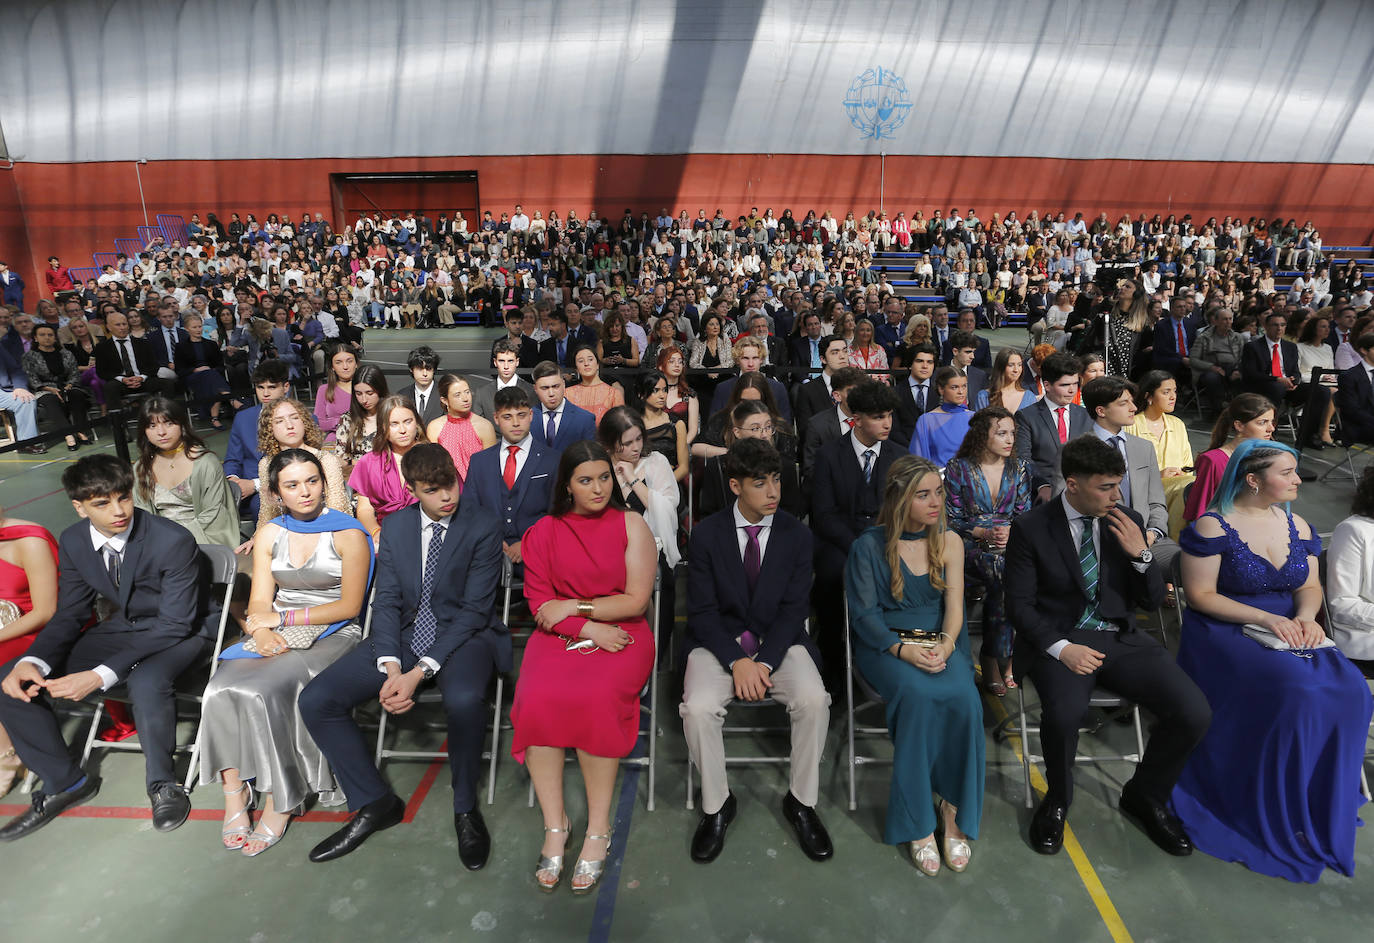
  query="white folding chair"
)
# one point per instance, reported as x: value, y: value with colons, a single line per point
x: 223, y: 568
x: 872, y: 701
x: 748, y: 728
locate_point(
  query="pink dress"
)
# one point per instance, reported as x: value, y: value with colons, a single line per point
x: 569, y: 699
x: 327, y: 414
x: 460, y: 440
x: 1209, y: 468
x: 377, y: 478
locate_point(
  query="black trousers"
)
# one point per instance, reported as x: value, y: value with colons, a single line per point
x: 58, y: 411
x: 115, y: 391
x: 327, y: 707
x: 37, y: 735
x: 1138, y: 668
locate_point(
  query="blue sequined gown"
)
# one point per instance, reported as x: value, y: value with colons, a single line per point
x: 935, y: 720
x: 1275, y: 783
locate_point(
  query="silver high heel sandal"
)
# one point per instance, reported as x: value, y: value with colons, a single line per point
x: 926, y: 857
x: 591, y: 869
x: 264, y: 833
x: 552, y: 864
x: 233, y: 831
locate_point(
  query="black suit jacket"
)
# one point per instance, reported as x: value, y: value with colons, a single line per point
x: 904, y: 423
x: 823, y: 427
x: 434, y: 406
x: 720, y: 605
x: 1355, y: 403
x: 1044, y: 583
x: 842, y: 505
x: 1256, y: 367
x: 107, y: 363
x: 161, y: 598
x: 159, y: 346
x: 813, y: 396
x: 463, y: 598
x: 1038, y: 445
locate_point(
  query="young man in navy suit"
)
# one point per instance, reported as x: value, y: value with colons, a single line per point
x: 558, y: 422
x: 271, y: 382
x: 148, y: 571
x: 514, y: 478
x: 432, y: 622
x: 748, y: 585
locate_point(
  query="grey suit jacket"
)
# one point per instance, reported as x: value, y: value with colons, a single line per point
x: 1037, y: 441
x: 1147, y: 495
x: 484, y: 395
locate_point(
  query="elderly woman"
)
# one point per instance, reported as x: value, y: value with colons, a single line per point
x: 199, y: 365
x: 55, y: 379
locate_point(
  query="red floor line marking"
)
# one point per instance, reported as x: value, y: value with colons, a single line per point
x: 422, y: 791
x: 140, y: 812
x: 31, y: 500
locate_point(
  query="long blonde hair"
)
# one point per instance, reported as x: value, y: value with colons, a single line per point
x: 903, y: 478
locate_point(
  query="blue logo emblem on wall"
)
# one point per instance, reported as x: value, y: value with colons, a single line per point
x: 877, y: 103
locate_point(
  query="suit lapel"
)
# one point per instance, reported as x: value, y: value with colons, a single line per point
x: 128, y: 565
x: 1063, y: 539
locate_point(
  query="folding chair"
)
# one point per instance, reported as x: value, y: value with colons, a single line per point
x: 872, y: 700
x: 223, y: 568
x: 1102, y: 699
x: 749, y: 728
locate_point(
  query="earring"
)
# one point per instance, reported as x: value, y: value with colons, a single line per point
x: 1254, y: 489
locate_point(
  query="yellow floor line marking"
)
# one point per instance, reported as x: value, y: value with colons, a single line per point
x: 1091, y: 882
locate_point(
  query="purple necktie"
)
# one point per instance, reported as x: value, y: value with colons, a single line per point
x: 753, y: 562
x: 549, y: 429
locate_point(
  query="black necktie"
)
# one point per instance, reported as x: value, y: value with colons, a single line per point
x: 112, y: 564
x: 124, y: 357
x: 920, y: 397
x: 171, y: 345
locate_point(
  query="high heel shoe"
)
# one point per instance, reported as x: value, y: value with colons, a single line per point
x: 11, y: 769
x: 553, y: 864
x: 953, y: 847
x: 591, y: 869
x: 264, y: 833
x: 926, y: 857
x: 246, y: 813
x: 993, y: 681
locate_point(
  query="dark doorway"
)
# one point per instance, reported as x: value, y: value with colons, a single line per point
x: 396, y: 194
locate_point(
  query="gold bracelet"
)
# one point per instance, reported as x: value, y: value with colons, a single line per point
x: 585, y: 608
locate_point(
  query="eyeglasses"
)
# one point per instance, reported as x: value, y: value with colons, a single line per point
x: 766, y: 429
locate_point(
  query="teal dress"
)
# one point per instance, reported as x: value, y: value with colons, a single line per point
x: 935, y: 720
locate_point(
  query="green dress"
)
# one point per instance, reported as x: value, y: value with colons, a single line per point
x: 935, y: 720
x: 205, y: 503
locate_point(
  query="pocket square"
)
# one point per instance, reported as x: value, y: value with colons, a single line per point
x: 545, y: 475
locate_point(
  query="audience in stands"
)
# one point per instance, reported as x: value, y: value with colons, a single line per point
x: 311, y: 569
x: 1253, y: 592
x: 179, y: 478
x: 904, y: 583
x: 160, y: 622
x: 287, y: 424
x: 1248, y: 416
x: 748, y: 584
x: 986, y: 488
x: 589, y: 576
x: 432, y: 623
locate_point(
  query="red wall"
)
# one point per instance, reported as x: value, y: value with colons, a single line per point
x: 74, y: 209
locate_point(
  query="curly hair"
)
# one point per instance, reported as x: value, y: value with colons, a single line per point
x: 267, y: 442
x: 980, y: 427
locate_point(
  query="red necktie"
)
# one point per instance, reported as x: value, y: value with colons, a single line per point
x: 509, y: 473
x: 1182, y: 340
x: 1275, y: 365
x: 850, y: 422
x: 1063, y: 425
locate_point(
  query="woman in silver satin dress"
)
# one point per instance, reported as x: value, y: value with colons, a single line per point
x: 310, y: 566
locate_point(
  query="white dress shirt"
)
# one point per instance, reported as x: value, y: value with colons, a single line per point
x: 859, y: 449
x: 125, y: 344
x: 1076, y: 535
x: 425, y: 536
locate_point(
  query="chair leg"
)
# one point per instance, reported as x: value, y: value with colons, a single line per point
x: 381, y: 739
x: 849, y: 708
x: 1139, y: 735
x: 1364, y: 783
x: 691, y: 802
x: 194, y: 766
x: 495, y: 740
x: 90, y: 734
x: 1025, y: 743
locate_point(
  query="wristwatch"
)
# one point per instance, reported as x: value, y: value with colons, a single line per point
x: 426, y: 671
x: 1146, y: 556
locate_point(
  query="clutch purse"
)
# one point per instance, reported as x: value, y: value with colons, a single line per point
x: 9, y: 612
x: 1269, y: 640
x: 916, y: 637
x: 295, y: 636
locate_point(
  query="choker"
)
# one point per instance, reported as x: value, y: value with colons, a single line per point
x: 913, y: 535
x: 173, y: 453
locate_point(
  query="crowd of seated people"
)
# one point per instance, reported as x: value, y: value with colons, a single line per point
x: 839, y: 461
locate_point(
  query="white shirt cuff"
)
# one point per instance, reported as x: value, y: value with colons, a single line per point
x: 1055, y: 649
x: 43, y: 666
x: 257, y: 486
x: 108, y: 678
x: 431, y: 663
x: 382, y: 662
x: 1140, y: 567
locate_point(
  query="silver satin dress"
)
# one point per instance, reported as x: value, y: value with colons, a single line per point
x: 250, y: 718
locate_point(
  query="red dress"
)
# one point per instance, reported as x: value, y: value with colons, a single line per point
x: 461, y: 442
x: 570, y: 699
x: 14, y: 586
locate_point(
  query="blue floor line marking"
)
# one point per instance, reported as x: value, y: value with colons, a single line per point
x: 604, y: 914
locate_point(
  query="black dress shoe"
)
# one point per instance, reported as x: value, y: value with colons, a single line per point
x: 710, y: 835
x: 474, y: 844
x: 1047, y: 827
x: 1163, y: 827
x: 373, y: 817
x: 171, y: 806
x: 34, y: 449
x: 811, y: 834
x: 45, y: 808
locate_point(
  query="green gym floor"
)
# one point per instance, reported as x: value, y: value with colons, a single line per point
x: 102, y: 874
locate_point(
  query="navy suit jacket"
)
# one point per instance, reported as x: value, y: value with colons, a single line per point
x: 1166, y: 352
x: 528, y: 501
x: 464, y: 594
x: 842, y: 505
x: 577, y: 424
x: 982, y: 357
x: 720, y: 605
x: 13, y: 290
x: 161, y: 598
x: 1355, y: 401
x: 242, y: 456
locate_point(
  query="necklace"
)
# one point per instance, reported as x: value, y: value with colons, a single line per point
x: 172, y: 453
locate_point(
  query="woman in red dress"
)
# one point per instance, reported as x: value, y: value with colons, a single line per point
x: 28, y: 599
x: 589, y: 573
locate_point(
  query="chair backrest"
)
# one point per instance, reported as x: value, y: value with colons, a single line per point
x: 224, y: 567
x: 1176, y: 575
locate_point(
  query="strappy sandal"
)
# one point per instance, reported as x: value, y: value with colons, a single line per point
x: 953, y: 847
x: 264, y: 833
x: 926, y: 857
x: 244, y: 830
x: 1009, y: 678
x: 993, y: 682
x: 590, y: 869
x: 553, y: 864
